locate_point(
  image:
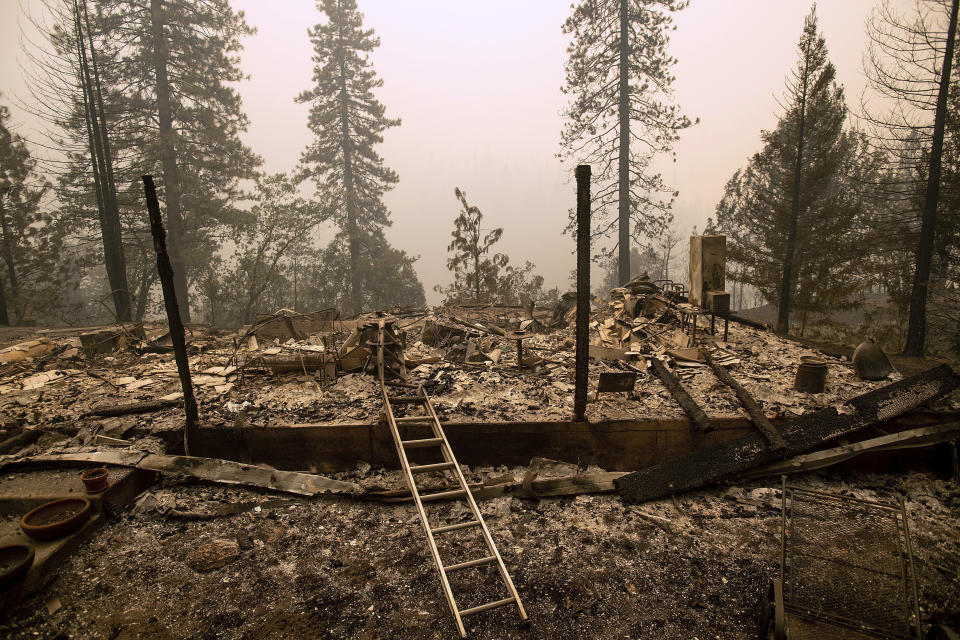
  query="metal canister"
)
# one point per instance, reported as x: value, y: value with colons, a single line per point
x: 811, y: 375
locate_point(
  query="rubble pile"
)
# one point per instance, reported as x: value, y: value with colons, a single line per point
x: 291, y: 368
x: 237, y: 561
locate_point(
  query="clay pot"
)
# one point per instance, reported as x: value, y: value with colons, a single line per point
x: 811, y: 375
x: 56, y: 519
x: 95, y: 480
x: 15, y: 561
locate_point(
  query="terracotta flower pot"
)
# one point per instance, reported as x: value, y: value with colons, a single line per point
x: 95, y: 480
x: 56, y: 519
x: 15, y: 561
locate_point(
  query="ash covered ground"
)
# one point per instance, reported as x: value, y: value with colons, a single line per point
x: 587, y: 566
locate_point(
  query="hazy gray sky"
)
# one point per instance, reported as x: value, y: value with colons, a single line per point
x: 477, y: 86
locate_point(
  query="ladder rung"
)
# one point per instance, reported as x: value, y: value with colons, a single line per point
x: 486, y: 607
x: 423, y: 468
x: 423, y: 442
x: 405, y: 385
x: 456, y: 527
x: 405, y: 400
x: 470, y: 563
x: 456, y: 493
x: 414, y: 419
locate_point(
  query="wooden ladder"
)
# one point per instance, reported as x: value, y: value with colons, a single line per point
x: 387, y: 344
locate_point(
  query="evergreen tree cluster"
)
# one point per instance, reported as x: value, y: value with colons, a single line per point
x: 134, y: 87
x: 827, y: 211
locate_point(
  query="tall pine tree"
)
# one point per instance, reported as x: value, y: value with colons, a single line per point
x: 794, y: 215
x: 347, y: 122
x: 620, y: 118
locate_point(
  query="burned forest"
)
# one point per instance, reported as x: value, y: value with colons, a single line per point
x: 374, y: 319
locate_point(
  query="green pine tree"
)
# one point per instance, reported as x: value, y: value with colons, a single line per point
x: 620, y: 117
x: 348, y: 122
x: 795, y: 215
x: 30, y: 246
x: 476, y: 270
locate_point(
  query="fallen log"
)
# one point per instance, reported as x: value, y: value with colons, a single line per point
x: 684, y: 399
x: 148, y: 406
x: 726, y: 459
x: 746, y: 399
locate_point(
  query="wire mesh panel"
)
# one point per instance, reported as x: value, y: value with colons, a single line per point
x: 848, y: 561
x: 806, y: 629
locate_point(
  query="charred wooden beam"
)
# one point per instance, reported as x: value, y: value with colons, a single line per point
x: 714, y: 463
x: 684, y: 399
x: 583, y: 290
x: 750, y: 404
x: 131, y: 408
x: 173, y: 310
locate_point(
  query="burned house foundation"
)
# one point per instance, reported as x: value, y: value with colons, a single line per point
x: 691, y: 416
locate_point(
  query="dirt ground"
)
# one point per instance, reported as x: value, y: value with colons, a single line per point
x: 585, y: 567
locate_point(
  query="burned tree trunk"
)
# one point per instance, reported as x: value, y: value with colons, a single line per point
x: 917, y: 326
x: 102, y: 171
x: 166, y: 273
x: 583, y: 290
x: 624, y: 158
x: 168, y: 158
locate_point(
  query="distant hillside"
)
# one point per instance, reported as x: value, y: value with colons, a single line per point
x: 875, y: 305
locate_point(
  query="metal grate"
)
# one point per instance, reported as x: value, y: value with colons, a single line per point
x: 847, y: 561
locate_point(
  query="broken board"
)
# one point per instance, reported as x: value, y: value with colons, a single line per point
x: 714, y: 463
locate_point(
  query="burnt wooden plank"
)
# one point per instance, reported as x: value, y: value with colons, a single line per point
x: 714, y: 463
x: 749, y: 403
x: 684, y: 399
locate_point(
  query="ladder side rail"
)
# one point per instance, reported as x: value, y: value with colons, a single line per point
x: 488, y: 539
x: 431, y: 543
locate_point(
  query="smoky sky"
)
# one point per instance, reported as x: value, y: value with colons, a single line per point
x: 477, y: 86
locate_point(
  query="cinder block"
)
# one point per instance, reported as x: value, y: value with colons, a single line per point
x: 718, y: 301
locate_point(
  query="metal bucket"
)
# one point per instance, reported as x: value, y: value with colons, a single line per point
x: 811, y: 375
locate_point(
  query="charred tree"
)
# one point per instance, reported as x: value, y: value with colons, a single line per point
x: 917, y: 325
x: 102, y: 165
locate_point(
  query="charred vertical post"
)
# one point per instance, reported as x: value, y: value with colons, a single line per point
x: 583, y: 289
x: 173, y: 311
